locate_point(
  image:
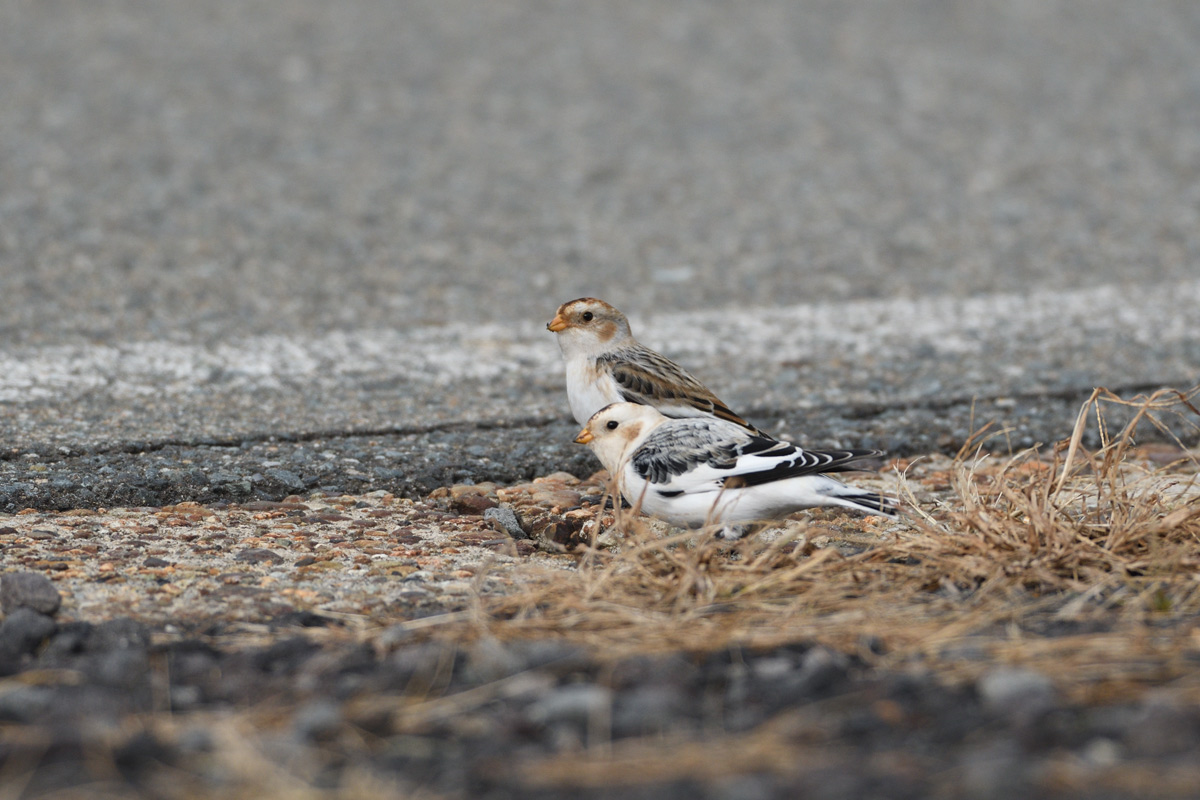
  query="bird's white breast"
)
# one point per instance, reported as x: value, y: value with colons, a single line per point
x: 588, y: 390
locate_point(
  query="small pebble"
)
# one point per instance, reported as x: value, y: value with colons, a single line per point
x: 504, y: 520
x: 574, y: 703
x: 24, y: 630
x: 472, y: 504
x: 1016, y: 692
x: 318, y: 721
x: 28, y: 590
x: 258, y: 555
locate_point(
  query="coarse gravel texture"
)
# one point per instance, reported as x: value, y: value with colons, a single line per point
x: 188, y: 564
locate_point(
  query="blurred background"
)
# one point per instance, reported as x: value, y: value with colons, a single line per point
x: 181, y: 169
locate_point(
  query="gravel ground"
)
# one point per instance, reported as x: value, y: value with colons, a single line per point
x: 276, y: 648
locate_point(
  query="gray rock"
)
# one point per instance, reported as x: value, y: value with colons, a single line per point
x: 1161, y: 727
x: 1101, y: 752
x: 28, y: 590
x: 184, y: 698
x: 1016, y: 692
x: 289, y: 479
x: 126, y: 669
x: 649, y: 710
x: 69, y: 641
x: 121, y: 633
x: 490, y: 660
x: 550, y: 654
x: 819, y: 669
x: 413, y: 594
x: 258, y: 555
x: 672, y: 669
x: 24, y: 629
x: 286, y: 656
x: 318, y: 721
x: 505, y: 520
x: 26, y: 703
x: 419, y: 664
x: 576, y: 703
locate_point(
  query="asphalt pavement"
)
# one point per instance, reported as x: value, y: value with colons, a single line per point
x: 253, y: 250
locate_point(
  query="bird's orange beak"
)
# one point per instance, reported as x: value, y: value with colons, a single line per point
x: 556, y: 324
x: 584, y: 437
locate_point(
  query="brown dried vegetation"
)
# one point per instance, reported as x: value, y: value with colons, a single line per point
x: 1041, y: 540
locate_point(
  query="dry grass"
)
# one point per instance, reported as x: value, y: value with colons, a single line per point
x: 1044, y: 537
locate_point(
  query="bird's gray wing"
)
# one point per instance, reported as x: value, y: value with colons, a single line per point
x: 678, y: 446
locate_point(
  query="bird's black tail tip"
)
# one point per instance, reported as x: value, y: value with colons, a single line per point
x: 876, y: 504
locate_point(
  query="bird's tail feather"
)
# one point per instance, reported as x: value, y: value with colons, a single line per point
x: 870, y: 502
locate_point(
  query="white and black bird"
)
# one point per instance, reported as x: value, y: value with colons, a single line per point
x: 605, y: 365
x: 705, y: 471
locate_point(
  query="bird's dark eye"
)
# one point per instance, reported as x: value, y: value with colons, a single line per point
x: 612, y: 424
x: 587, y: 316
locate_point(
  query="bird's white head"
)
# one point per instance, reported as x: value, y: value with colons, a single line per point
x: 589, y: 327
x: 616, y: 430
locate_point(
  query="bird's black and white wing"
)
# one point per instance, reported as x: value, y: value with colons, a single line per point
x: 703, y: 454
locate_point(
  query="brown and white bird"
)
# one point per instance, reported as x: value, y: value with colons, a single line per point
x: 605, y: 364
x: 706, y: 471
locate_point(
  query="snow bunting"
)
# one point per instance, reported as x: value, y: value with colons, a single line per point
x: 698, y: 471
x: 605, y: 364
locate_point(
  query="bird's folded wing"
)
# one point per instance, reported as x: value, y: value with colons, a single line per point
x: 680, y: 446
x: 707, y: 451
x: 650, y: 379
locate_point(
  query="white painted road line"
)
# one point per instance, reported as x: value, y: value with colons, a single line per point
x: 1004, y: 332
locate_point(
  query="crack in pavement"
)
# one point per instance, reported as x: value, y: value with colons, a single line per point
x: 134, y: 447
x: 853, y: 411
